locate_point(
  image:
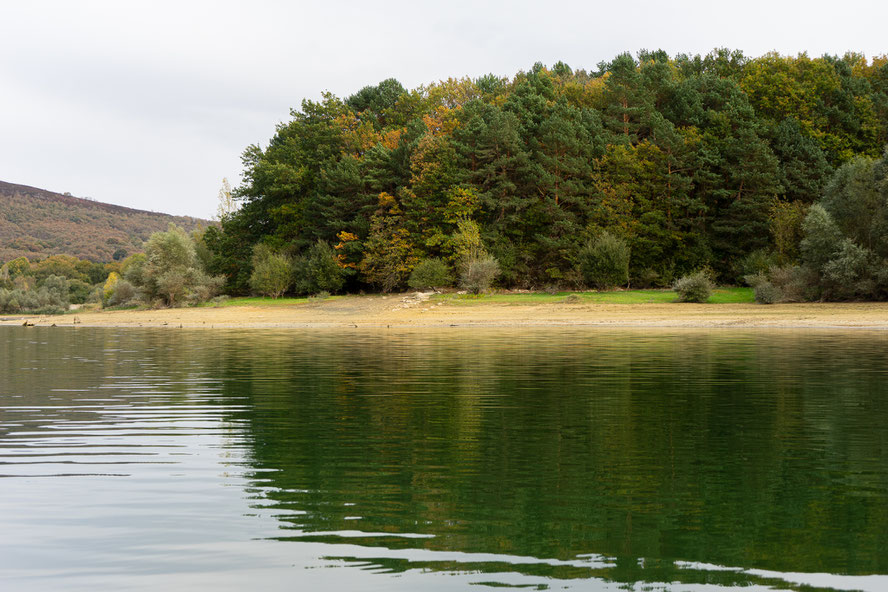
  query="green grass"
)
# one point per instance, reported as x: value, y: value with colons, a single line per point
x: 262, y: 301
x: 719, y: 296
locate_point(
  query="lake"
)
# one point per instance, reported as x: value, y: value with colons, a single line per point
x: 460, y: 459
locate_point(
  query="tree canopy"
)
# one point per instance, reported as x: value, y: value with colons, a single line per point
x: 692, y: 161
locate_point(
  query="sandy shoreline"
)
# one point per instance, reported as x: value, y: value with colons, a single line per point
x: 396, y: 311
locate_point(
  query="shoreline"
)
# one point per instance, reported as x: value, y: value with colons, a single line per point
x: 404, y: 312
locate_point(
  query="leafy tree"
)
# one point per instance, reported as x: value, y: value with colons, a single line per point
x: 604, y: 262
x: 430, y: 273
x: 172, y: 271
x: 78, y: 291
x: 684, y: 158
x: 17, y: 268
x: 109, y: 287
x: 477, y: 274
x: 272, y: 272
x: 389, y: 255
x: 61, y: 265
x: 822, y: 238
x: 323, y: 272
x: 804, y: 168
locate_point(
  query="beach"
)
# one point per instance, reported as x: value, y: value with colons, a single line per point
x: 420, y: 310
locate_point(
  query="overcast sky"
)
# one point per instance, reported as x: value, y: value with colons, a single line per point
x: 150, y: 104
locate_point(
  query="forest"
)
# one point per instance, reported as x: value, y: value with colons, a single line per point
x: 693, y: 162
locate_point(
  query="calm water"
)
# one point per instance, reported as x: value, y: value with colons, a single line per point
x: 446, y: 460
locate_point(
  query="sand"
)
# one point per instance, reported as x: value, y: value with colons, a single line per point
x: 406, y: 311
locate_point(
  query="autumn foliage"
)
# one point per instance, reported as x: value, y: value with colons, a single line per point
x: 692, y: 162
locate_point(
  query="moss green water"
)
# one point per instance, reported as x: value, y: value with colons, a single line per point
x: 443, y: 460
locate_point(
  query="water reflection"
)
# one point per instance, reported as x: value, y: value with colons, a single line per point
x: 587, y: 459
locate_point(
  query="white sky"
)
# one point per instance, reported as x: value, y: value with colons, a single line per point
x: 150, y: 104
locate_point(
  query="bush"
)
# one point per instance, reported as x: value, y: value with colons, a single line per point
x: 604, y: 262
x: 57, y: 286
x: 694, y: 287
x: 767, y: 293
x: 822, y: 237
x: 757, y: 262
x: 318, y: 271
x: 78, y: 291
x: 272, y: 272
x: 133, y: 269
x: 476, y: 275
x: 848, y: 274
x: 42, y: 301
x: 124, y: 293
x: 430, y: 274
x: 205, y: 288
x: 648, y: 278
x: 795, y: 283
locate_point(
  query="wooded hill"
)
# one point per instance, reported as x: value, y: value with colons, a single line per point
x: 36, y: 223
x: 694, y: 161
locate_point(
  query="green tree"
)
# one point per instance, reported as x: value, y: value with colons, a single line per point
x: 389, y: 255
x: 604, y: 262
x: 272, y: 272
x: 430, y: 274
x: 172, y: 271
x: 319, y: 270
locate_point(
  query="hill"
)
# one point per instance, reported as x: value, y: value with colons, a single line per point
x: 36, y: 223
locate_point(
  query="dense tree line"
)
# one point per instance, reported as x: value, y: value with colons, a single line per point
x: 170, y: 272
x: 49, y: 285
x: 695, y: 162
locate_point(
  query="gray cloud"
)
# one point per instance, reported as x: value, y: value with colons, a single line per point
x: 150, y: 104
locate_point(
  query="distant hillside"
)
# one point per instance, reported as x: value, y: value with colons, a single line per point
x: 36, y: 223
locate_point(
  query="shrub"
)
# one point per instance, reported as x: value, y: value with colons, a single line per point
x: 694, y: 287
x: 429, y: 274
x: 822, y: 237
x: 172, y: 285
x: 754, y: 279
x: 604, y: 262
x: 124, y: 293
x: 848, y: 275
x: 795, y: 283
x: 205, y: 288
x: 133, y: 269
x: 272, y: 272
x: 767, y: 293
x: 57, y: 286
x: 648, y: 278
x: 476, y: 275
x: 318, y: 271
x: 40, y: 301
x: 78, y: 291
x: 757, y: 262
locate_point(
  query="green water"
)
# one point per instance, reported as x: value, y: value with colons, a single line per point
x: 443, y: 460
